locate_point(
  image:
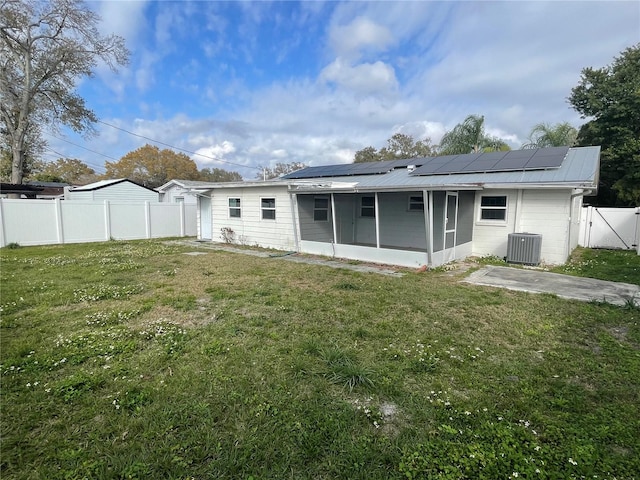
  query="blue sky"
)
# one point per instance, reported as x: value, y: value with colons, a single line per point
x: 250, y: 84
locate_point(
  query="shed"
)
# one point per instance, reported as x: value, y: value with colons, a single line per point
x: 119, y: 190
x: 413, y: 212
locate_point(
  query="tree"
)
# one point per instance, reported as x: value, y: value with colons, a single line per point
x: 219, y: 175
x: 279, y: 170
x: 610, y: 96
x: 367, y: 154
x: 153, y: 167
x: 545, y: 135
x: 399, y: 146
x: 67, y: 170
x: 45, y: 48
x: 470, y: 137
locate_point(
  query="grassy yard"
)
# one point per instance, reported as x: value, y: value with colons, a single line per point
x: 134, y: 360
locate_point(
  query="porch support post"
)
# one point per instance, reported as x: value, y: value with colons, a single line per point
x: 333, y: 219
x: 377, y: 215
x: 427, y: 225
x: 430, y: 230
x: 294, y: 218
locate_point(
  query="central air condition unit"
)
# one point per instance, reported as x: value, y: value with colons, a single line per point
x: 524, y: 248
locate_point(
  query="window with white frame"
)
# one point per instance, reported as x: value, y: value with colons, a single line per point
x: 234, y: 208
x: 321, y: 209
x: 416, y: 203
x: 493, y: 208
x: 268, y: 206
x: 368, y: 206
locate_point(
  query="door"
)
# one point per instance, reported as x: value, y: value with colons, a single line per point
x: 206, y: 227
x: 450, y: 224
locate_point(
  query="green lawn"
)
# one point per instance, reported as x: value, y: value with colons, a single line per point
x: 133, y: 360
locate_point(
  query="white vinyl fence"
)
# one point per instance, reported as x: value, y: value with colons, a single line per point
x: 45, y: 222
x: 602, y: 227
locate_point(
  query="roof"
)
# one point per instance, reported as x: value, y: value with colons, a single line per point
x: 106, y: 183
x: 554, y: 167
x: 188, y: 184
x: 576, y: 168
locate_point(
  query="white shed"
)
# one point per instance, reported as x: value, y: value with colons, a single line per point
x: 120, y: 190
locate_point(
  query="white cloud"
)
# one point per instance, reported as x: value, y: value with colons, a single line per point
x: 361, y: 34
x: 363, y: 78
x: 214, y: 153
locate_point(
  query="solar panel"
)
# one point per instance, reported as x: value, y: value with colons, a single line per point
x: 533, y: 159
x: 494, y: 162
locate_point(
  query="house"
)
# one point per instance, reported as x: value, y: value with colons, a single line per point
x: 185, y: 191
x: 426, y: 211
x: 119, y: 190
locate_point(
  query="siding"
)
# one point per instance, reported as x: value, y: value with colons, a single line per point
x: 490, y: 238
x: 174, y: 191
x: 123, y: 191
x: 251, y: 229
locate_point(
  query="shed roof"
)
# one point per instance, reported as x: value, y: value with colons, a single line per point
x: 106, y: 183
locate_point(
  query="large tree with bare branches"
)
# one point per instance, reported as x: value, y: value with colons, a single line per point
x: 46, y: 46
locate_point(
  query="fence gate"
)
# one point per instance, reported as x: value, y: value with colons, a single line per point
x: 610, y: 228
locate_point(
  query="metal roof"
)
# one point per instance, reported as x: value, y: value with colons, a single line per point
x: 578, y: 169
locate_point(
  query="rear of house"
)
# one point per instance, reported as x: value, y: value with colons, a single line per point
x: 413, y: 212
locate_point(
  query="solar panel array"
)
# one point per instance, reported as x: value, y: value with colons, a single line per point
x: 514, y: 160
x: 534, y: 159
x: 345, y: 170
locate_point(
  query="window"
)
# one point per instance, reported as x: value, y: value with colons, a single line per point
x: 416, y: 203
x: 368, y: 207
x: 234, y: 208
x: 268, y: 208
x: 493, y: 208
x: 179, y: 199
x: 321, y: 209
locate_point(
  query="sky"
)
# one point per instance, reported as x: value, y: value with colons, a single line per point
x: 246, y: 85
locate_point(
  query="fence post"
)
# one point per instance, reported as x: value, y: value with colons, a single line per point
x: 107, y: 220
x: 147, y: 219
x: 3, y: 240
x: 59, y: 229
x: 182, y: 220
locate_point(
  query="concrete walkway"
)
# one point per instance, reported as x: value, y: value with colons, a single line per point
x: 291, y: 257
x: 565, y: 286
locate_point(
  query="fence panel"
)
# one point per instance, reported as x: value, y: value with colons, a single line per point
x: 83, y: 222
x: 44, y: 222
x: 602, y: 227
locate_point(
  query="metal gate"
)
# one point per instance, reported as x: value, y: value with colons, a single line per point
x: 610, y: 228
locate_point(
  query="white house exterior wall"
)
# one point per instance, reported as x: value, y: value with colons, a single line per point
x: 251, y: 229
x: 490, y: 238
x: 175, y: 192
x: 542, y: 211
x: 548, y: 212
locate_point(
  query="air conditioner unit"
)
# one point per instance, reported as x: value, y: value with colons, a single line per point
x: 524, y: 248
